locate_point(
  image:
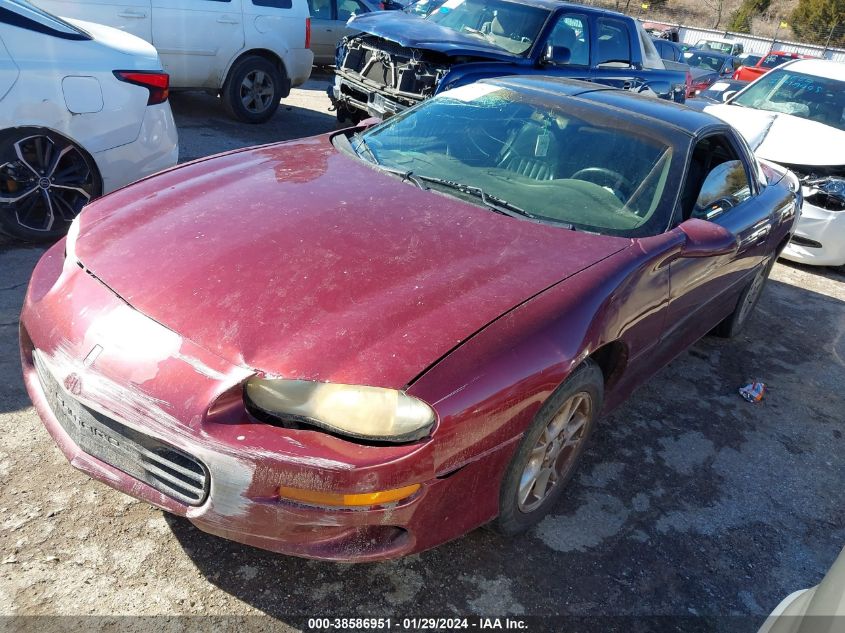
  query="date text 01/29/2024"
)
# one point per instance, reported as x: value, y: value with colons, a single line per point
x: 416, y: 624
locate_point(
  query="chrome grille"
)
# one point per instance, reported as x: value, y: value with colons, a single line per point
x: 169, y: 470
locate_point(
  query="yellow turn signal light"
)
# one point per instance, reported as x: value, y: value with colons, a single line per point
x: 335, y: 499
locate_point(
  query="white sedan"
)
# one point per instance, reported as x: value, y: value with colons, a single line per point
x: 83, y: 111
x: 794, y: 115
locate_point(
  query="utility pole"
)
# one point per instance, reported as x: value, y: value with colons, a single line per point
x: 775, y: 36
x: 829, y: 35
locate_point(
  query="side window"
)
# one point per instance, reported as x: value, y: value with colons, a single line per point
x: 320, y: 9
x: 613, y: 43
x: 716, y: 180
x: 274, y: 4
x: 345, y: 9
x: 572, y: 31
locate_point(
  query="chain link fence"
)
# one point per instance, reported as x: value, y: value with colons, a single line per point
x: 696, y: 20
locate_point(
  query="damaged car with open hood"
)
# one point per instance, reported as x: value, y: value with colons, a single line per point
x: 361, y: 345
x: 401, y: 58
x: 794, y: 115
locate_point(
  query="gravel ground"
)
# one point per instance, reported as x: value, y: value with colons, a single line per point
x: 689, y: 502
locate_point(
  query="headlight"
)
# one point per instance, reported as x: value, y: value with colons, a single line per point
x: 369, y: 413
x: 70, y: 240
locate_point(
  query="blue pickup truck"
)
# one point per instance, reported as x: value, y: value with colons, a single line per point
x: 401, y: 58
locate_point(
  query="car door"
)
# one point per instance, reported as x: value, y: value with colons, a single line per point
x: 722, y: 186
x: 328, y: 25
x: 132, y: 16
x: 196, y: 39
x: 571, y: 31
x: 323, y: 31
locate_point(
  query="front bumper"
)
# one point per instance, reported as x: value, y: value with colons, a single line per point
x: 164, y: 391
x: 356, y: 93
x: 819, y: 237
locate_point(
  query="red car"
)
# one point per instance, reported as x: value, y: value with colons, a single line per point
x: 361, y: 345
x: 766, y: 63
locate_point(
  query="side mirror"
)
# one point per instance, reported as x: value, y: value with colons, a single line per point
x: 706, y: 239
x: 557, y: 55
x: 719, y: 190
x: 727, y: 94
x: 660, y: 88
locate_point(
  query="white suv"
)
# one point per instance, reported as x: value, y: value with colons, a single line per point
x: 250, y: 51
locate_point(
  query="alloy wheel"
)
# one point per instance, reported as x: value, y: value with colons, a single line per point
x: 46, y: 183
x: 554, y: 454
x: 257, y: 91
x: 753, y: 294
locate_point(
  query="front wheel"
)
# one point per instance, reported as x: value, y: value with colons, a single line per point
x: 549, y: 451
x: 45, y: 180
x: 252, y: 90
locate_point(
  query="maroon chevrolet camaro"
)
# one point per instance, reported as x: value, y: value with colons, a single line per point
x: 363, y: 344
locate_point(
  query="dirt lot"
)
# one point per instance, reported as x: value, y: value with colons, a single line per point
x: 690, y: 501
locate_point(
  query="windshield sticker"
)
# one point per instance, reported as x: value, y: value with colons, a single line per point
x: 471, y: 92
x: 803, y: 82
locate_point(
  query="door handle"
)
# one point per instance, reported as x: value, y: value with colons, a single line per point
x: 759, y: 234
x: 225, y: 19
x: 132, y: 14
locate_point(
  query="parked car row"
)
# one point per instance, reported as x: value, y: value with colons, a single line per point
x: 251, y: 52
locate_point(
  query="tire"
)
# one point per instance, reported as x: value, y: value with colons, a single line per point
x: 575, y: 402
x: 347, y: 117
x: 737, y: 320
x: 252, y: 90
x: 45, y: 180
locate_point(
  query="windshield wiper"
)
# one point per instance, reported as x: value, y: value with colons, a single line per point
x: 499, y: 205
x: 360, y: 143
x: 405, y: 175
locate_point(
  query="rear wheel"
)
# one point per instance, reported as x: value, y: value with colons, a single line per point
x: 45, y: 180
x: 253, y: 90
x: 549, y: 451
x: 737, y: 320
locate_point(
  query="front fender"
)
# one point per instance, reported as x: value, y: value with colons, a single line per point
x: 488, y: 390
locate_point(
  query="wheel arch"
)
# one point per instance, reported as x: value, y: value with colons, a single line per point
x: 612, y: 359
x: 273, y: 58
x: 98, y: 172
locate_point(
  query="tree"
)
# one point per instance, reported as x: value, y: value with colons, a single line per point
x: 815, y: 21
x: 741, y: 18
x: 716, y: 6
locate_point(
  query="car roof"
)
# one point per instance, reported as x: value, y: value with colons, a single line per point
x: 707, y: 51
x: 660, y: 113
x: 818, y: 67
x: 551, y: 5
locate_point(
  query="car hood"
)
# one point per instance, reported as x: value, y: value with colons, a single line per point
x: 142, y: 51
x: 415, y: 32
x: 784, y: 138
x: 701, y: 73
x: 301, y: 261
